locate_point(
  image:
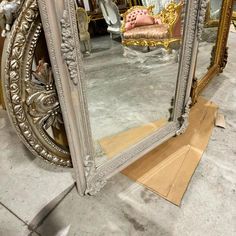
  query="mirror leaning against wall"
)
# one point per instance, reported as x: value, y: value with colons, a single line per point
x: 122, y: 84
x: 212, y: 48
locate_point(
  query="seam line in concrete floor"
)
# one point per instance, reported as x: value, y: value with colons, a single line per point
x: 13, y: 213
x: 31, y: 231
x: 41, y: 222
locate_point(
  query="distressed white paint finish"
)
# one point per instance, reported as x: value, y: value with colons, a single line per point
x: 69, y: 77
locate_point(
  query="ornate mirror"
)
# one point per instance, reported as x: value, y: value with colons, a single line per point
x: 120, y: 96
x: 212, y: 47
x: 28, y: 83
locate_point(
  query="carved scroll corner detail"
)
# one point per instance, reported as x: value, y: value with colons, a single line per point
x: 89, y: 166
x: 95, y: 186
x: 185, y: 118
x: 224, y: 60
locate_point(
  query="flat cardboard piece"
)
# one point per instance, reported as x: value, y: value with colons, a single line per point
x: 168, y: 169
x: 220, y: 121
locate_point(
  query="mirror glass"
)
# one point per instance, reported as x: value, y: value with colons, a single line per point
x: 208, y: 41
x: 215, y: 9
x: 131, y: 67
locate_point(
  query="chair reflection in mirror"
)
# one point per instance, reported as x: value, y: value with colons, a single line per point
x: 111, y: 15
x: 83, y: 25
x: 143, y: 28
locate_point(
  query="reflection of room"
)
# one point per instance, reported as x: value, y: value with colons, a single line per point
x: 117, y: 97
x: 137, y: 23
x: 130, y: 55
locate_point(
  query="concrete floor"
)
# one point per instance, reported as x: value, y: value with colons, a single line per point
x: 125, y: 86
x: 123, y: 90
x: 124, y: 208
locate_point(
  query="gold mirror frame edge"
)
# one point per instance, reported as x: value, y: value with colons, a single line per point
x: 221, y: 52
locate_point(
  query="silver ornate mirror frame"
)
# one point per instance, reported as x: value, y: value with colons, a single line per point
x: 60, y: 27
x: 59, y: 23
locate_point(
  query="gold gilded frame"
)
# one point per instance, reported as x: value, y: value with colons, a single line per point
x: 167, y: 17
x: 220, y: 51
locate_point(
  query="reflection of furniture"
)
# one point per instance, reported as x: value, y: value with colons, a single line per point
x: 83, y: 24
x: 96, y: 13
x: 111, y: 15
x: 141, y: 28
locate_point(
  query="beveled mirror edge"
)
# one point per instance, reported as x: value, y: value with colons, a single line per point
x: 220, y: 55
x: 77, y: 123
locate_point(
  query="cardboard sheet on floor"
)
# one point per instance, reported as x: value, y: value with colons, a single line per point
x: 168, y: 169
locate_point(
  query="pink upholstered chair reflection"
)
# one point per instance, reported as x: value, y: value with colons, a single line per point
x: 142, y: 28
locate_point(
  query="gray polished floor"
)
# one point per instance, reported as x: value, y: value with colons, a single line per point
x: 126, y: 86
x: 124, y: 208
